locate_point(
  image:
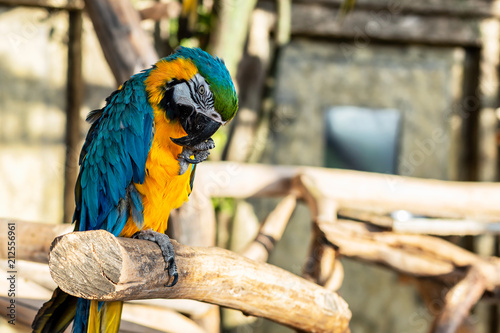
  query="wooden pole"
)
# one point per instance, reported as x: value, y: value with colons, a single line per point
x: 231, y: 31
x: 74, y: 99
x: 251, y: 76
x: 470, y: 108
x: 125, y: 45
x: 97, y: 265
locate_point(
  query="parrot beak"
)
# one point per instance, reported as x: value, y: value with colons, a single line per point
x: 198, y: 126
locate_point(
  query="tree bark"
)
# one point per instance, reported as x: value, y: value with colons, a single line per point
x: 231, y: 31
x: 459, y: 302
x: 125, y: 45
x: 97, y: 265
x: 74, y: 101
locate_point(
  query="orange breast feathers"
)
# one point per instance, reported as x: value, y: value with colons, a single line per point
x: 163, y: 189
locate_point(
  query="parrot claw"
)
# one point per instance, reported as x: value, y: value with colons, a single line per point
x: 167, y: 250
x: 183, y: 165
x: 200, y: 152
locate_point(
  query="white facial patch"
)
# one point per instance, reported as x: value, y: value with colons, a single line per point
x: 196, y: 93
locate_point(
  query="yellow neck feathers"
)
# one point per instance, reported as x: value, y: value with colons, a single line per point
x: 164, y: 72
x: 163, y: 189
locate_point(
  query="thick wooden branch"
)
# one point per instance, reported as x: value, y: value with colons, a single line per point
x: 32, y: 239
x: 365, y: 191
x: 386, y: 193
x: 322, y: 267
x: 415, y: 255
x: 97, y: 265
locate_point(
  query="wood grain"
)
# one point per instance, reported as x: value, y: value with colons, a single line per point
x: 97, y: 265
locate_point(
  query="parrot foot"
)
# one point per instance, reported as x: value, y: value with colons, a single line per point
x: 200, y: 152
x: 166, y: 249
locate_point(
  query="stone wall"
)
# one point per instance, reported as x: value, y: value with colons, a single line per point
x: 423, y: 84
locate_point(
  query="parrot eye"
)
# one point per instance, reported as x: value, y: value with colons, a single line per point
x: 201, y: 90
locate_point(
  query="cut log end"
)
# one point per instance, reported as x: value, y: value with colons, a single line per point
x: 74, y: 259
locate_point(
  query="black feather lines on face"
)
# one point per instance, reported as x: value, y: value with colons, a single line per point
x: 204, y: 101
x: 167, y: 102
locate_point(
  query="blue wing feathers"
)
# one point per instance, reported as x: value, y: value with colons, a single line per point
x: 137, y: 156
x: 113, y: 155
x: 136, y: 206
x: 82, y: 310
x: 191, y: 179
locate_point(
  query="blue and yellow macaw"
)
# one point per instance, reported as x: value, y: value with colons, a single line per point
x: 138, y: 163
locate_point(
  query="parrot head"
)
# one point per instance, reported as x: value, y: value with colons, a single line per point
x: 194, y: 88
